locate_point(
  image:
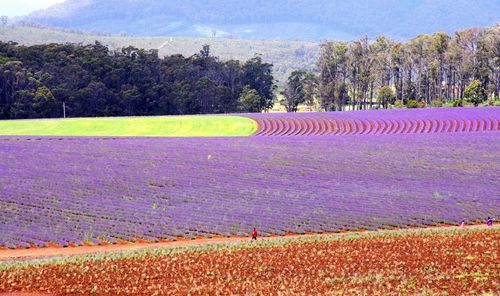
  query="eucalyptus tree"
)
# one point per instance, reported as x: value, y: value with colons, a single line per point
x: 427, y: 69
x: 300, y: 88
x: 333, y: 65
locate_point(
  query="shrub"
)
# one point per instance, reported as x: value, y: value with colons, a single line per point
x: 458, y: 103
x: 437, y: 103
x: 492, y: 102
x: 398, y: 104
x: 385, y: 96
x: 475, y: 93
x: 412, y: 104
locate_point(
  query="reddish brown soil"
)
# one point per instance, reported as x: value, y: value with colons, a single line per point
x: 24, y: 294
x: 457, y: 264
x: 55, y: 250
x: 60, y: 251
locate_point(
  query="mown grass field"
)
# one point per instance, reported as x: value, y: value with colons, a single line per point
x: 170, y: 126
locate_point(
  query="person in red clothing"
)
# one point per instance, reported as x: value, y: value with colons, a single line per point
x: 254, y: 234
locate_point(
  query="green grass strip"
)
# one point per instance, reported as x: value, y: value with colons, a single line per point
x: 166, y: 126
x: 241, y: 245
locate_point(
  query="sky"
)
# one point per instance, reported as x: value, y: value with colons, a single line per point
x: 22, y: 7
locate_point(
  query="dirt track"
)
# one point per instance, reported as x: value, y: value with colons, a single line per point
x: 60, y: 251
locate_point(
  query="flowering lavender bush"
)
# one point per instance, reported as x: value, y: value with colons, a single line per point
x: 76, y: 190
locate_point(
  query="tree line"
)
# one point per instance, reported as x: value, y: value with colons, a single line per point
x: 426, y: 70
x: 92, y: 80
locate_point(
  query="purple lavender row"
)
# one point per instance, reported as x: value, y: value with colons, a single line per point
x: 77, y: 190
x: 398, y: 121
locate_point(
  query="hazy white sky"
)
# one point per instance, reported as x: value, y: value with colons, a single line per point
x: 22, y: 7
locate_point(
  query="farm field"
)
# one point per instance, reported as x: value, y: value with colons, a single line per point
x: 398, y: 121
x: 167, y: 126
x: 74, y: 191
x: 449, y: 261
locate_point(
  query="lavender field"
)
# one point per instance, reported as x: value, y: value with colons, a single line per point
x: 394, y: 121
x: 77, y: 190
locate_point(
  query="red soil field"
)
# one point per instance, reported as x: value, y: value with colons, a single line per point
x: 56, y: 250
x: 457, y: 264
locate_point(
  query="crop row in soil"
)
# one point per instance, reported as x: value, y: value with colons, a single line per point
x: 456, y: 263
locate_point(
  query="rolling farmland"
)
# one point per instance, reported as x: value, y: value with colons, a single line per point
x: 375, y: 122
x: 77, y: 190
x: 178, y: 165
x: 86, y: 182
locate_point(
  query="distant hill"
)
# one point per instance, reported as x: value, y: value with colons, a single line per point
x: 282, y: 19
x: 285, y: 55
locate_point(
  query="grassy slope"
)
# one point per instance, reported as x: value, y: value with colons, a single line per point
x: 171, y: 126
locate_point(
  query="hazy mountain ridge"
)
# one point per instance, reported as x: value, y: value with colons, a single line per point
x: 312, y: 19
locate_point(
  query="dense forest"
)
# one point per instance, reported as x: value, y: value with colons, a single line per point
x: 92, y: 80
x: 426, y: 70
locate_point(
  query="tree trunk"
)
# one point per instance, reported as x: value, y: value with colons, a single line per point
x: 371, y: 94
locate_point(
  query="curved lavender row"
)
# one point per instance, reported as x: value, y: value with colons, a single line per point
x: 399, y: 121
x: 71, y: 190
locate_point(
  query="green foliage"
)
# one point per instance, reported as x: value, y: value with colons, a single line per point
x: 333, y: 63
x: 258, y: 75
x: 410, y: 93
x: 437, y: 103
x: 301, y: 88
x: 3, y: 60
x: 458, y: 103
x: 44, y: 104
x: 351, y: 74
x: 386, y: 96
x: 250, y: 101
x: 422, y: 104
x: 412, y: 104
x: 93, y: 80
x: 399, y: 104
x: 416, y: 104
x: 475, y: 93
x: 286, y: 55
x: 422, y: 70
